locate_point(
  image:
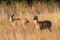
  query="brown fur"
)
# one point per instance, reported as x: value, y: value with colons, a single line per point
x: 24, y: 21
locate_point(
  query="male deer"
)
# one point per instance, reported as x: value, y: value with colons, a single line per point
x: 12, y: 20
x: 10, y: 16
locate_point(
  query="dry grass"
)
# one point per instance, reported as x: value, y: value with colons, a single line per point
x: 29, y: 32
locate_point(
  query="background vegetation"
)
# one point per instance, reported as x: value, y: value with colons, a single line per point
x: 44, y: 9
x: 29, y: 1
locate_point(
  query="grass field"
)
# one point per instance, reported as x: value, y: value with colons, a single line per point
x: 15, y: 31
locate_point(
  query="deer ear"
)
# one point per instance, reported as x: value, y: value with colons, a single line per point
x: 13, y: 15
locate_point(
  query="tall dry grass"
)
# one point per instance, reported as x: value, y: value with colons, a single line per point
x: 29, y: 32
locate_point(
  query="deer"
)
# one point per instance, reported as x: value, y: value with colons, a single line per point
x: 15, y: 21
x: 42, y: 25
x: 24, y: 21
